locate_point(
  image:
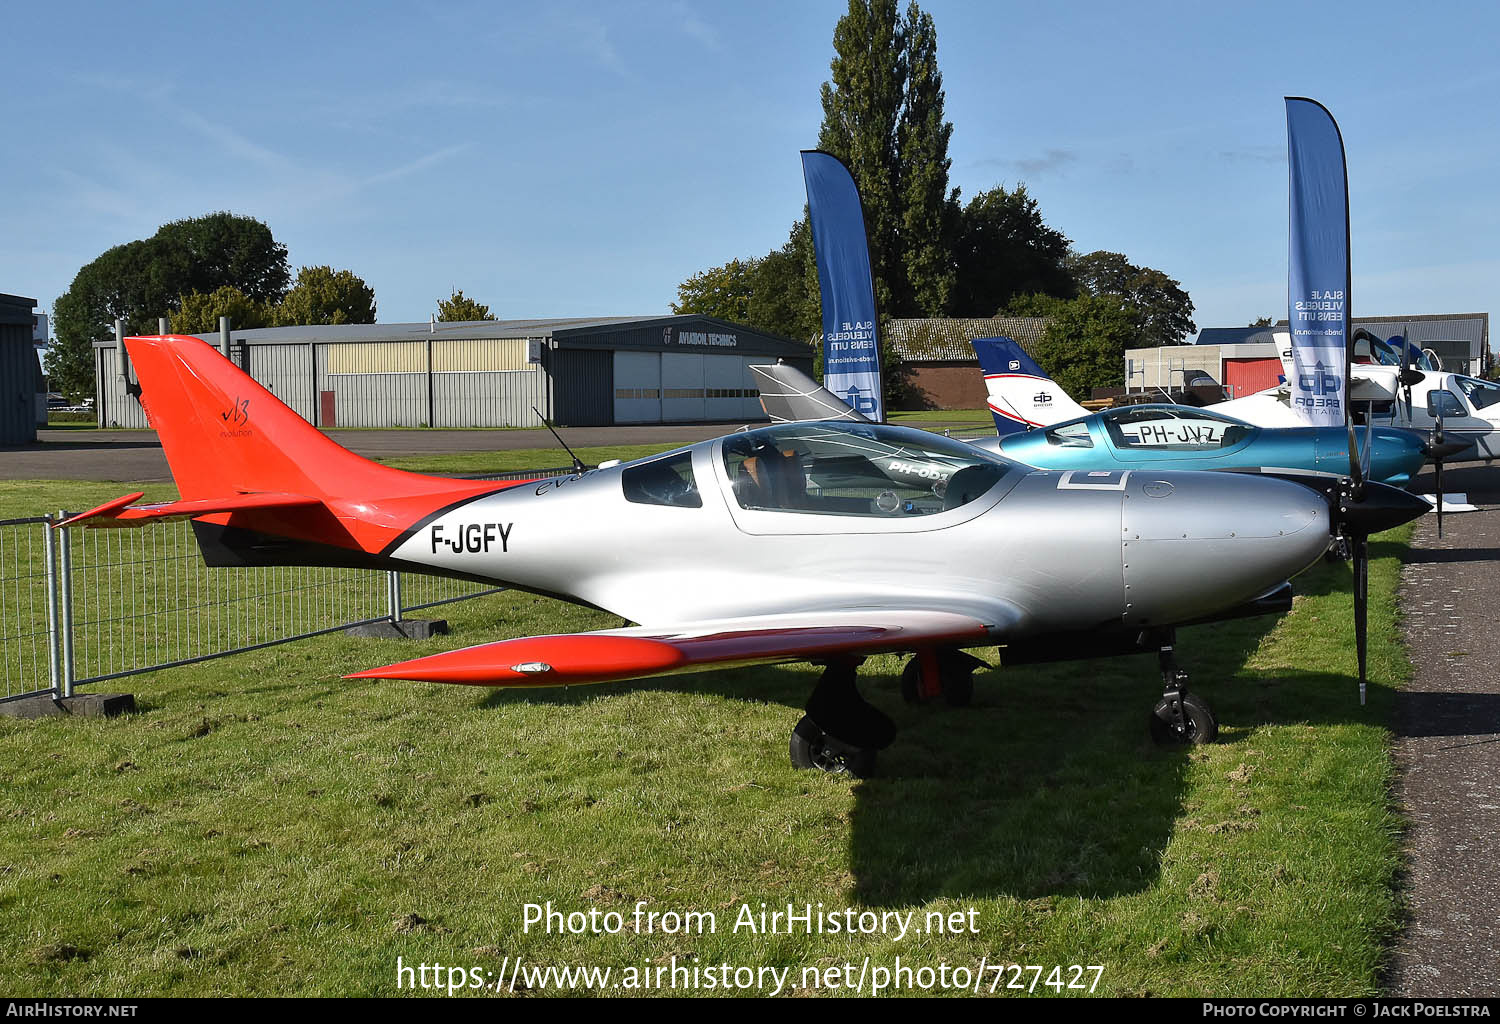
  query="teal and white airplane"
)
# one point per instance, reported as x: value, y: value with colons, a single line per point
x: 1038, y: 424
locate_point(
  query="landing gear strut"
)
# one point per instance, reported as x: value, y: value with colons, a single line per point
x: 1179, y: 718
x: 948, y: 672
x: 841, y: 732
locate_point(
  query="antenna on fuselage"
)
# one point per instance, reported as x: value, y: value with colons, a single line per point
x: 578, y: 466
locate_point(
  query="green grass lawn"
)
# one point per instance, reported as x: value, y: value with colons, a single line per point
x: 263, y: 826
x: 964, y: 417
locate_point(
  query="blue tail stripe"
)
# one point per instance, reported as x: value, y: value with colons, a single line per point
x: 1003, y: 355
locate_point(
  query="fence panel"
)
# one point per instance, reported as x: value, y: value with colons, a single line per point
x: 85, y: 605
x: 27, y: 640
x: 143, y: 600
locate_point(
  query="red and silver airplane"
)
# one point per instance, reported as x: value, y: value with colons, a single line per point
x: 821, y: 542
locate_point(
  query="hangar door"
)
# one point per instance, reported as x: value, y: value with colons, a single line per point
x: 637, y: 387
x: 685, y: 387
x: 709, y: 387
x: 1247, y: 376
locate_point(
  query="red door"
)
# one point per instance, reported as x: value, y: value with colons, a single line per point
x: 1247, y: 376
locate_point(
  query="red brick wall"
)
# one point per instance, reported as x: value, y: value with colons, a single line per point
x: 950, y: 385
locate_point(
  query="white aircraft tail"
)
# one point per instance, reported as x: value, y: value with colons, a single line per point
x: 1021, y: 395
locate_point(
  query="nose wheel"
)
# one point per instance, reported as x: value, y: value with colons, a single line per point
x: 1180, y: 718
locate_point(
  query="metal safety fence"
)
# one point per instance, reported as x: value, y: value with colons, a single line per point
x: 80, y: 606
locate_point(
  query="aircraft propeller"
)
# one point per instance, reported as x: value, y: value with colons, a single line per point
x: 1359, y: 473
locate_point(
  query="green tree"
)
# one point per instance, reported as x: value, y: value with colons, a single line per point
x: 770, y: 293
x: 1164, y: 310
x: 139, y: 281
x: 458, y: 307
x: 199, y: 313
x: 1084, y: 345
x: 1004, y: 249
x: 1262, y: 321
x: 883, y: 116
x: 322, y: 295
x: 929, y: 212
x: 724, y: 292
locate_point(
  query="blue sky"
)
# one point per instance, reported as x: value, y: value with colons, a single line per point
x: 575, y: 158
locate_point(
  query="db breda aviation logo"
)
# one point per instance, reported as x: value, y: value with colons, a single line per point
x: 1324, y: 387
x: 1041, y: 400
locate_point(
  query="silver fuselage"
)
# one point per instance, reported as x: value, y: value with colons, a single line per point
x: 1037, y: 552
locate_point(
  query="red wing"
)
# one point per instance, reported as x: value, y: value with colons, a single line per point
x: 615, y: 654
x: 120, y: 512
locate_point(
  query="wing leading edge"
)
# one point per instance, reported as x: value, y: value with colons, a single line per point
x: 616, y: 654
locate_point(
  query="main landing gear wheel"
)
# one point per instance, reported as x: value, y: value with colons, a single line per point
x: 841, y: 732
x: 811, y: 747
x: 955, y: 678
x: 1183, y: 719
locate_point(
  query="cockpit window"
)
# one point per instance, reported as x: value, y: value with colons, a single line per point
x: 1173, y: 428
x: 852, y: 469
x: 666, y: 481
x: 1071, y: 435
x: 1481, y: 393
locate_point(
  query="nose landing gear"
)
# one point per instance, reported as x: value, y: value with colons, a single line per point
x: 1179, y: 718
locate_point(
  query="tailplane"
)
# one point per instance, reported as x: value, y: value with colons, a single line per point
x: 1021, y: 395
x: 790, y: 396
x: 249, y: 467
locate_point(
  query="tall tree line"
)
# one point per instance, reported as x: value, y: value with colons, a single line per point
x: 932, y: 255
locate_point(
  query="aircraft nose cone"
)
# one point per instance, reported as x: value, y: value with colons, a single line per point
x: 1199, y: 543
x: 1381, y: 507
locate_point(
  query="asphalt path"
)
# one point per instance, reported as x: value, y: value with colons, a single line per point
x: 1448, y: 748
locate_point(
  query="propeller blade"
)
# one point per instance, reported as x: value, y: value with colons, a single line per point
x: 1354, y: 470
x: 1361, y: 605
x: 1366, y: 455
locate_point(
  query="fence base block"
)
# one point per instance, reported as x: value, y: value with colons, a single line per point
x: 406, y: 629
x: 87, y: 705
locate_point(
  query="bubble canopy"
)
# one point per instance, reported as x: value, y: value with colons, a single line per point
x: 857, y: 469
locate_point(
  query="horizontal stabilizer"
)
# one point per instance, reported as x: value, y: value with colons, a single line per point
x: 120, y: 513
x: 790, y: 396
x: 615, y: 654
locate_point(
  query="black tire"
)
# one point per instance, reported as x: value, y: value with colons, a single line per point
x: 810, y: 747
x: 955, y: 677
x: 1201, y: 725
x: 911, y: 681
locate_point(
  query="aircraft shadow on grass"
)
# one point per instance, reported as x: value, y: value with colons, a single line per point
x: 1048, y: 785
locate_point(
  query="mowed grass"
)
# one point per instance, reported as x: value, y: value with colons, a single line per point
x: 263, y: 826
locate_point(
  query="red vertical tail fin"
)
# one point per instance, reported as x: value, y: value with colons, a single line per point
x: 225, y: 435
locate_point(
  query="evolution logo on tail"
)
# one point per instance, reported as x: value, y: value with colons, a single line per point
x: 1021, y: 396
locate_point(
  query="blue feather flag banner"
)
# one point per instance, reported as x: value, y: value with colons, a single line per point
x: 851, y: 350
x: 1318, y: 273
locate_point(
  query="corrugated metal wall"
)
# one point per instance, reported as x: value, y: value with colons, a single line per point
x: 376, y: 398
x: 287, y: 372
x: 582, y: 387
x: 17, y: 384
x: 116, y: 408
